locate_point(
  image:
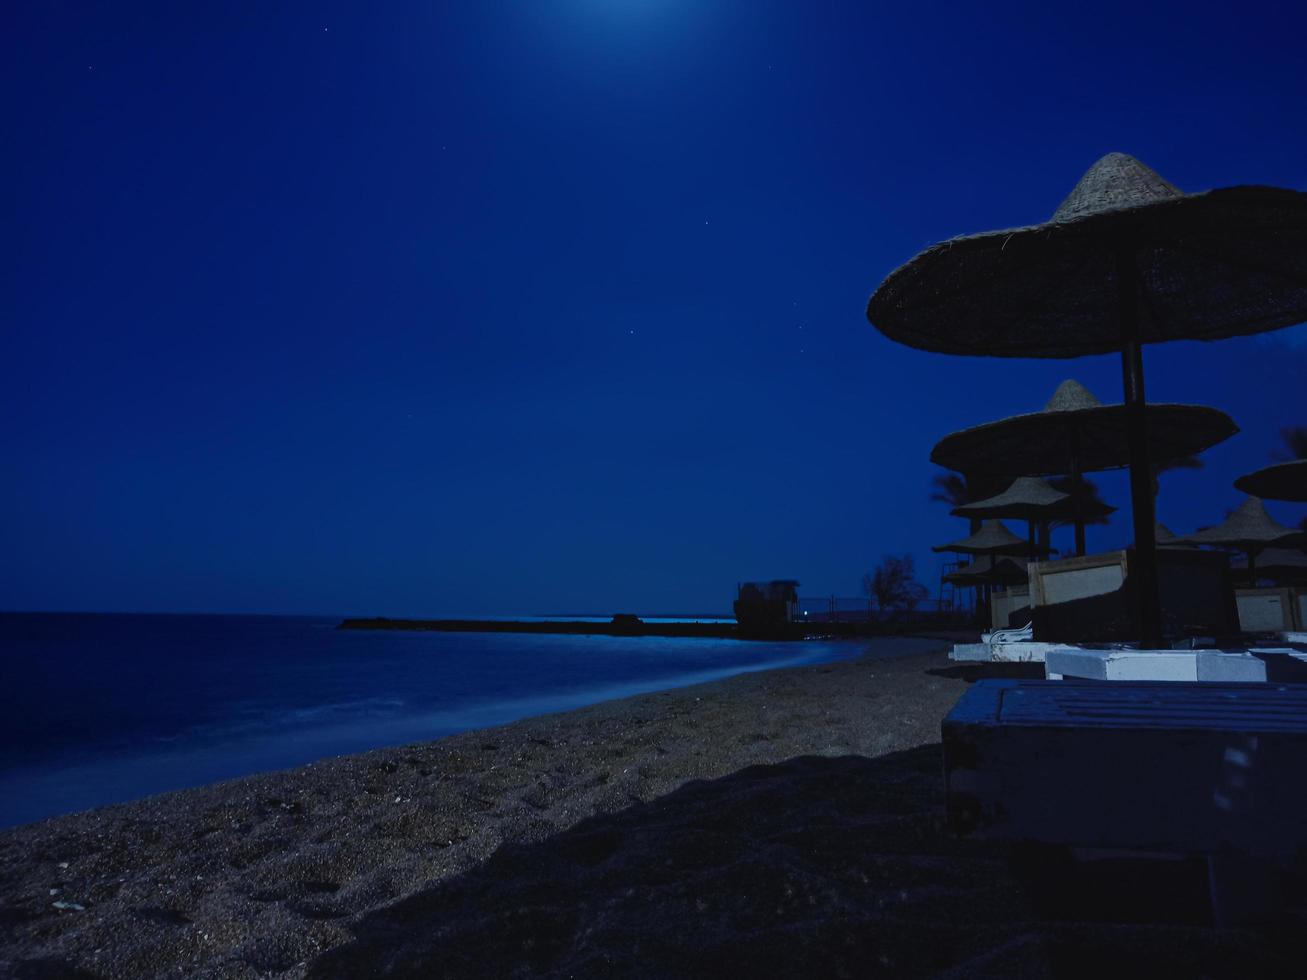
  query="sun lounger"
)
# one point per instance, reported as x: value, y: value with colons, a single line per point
x: 1090, y: 598
x: 1179, y: 768
x: 1266, y: 610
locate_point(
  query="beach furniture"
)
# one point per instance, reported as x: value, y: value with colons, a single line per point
x: 1012, y: 646
x: 1175, y: 768
x: 1002, y: 651
x: 1090, y: 598
x: 1074, y: 433
x: 1272, y: 662
x: 1266, y: 610
x: 1249, y: 529
x: 1003, y: 606
x: 1126, y: 260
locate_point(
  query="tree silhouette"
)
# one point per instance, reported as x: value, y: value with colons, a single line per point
x: 949, y: 488
x: 956, y: 489
x: 893, y: 585
x: 1190, y: 462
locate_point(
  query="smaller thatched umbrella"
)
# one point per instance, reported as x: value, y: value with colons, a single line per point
x: 1285, y: 565
x: 1283, y: 481
x: 1249, y: 529
x: 1028, y: 499
x: 989, y: 570
x: 992, y: 539
x: 1028, y: 495
x: 1035, y: 501
x: 1075, y: 433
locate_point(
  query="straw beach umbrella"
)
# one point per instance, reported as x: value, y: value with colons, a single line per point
x: 986, y: 571
x: 1249, y: 529
x: 1283, y: 564
x: 989, y: 570
x: 992, y: 539
x: 1028, y: 499
x: 1028, y: 495
x: 1126, y: 260
x: 990, y: 542
x: 1075, y: 433
x: 1283, y: 481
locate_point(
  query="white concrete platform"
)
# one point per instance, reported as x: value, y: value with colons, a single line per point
x: 1166, y: 665
x: 1018, y: 652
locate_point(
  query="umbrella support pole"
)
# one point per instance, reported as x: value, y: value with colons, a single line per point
x: 1144, y: 572
x: 1078, y: 497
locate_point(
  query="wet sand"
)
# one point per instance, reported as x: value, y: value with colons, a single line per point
x: 785, y: 822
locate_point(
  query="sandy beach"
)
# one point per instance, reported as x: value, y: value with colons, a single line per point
x: 784, y: 822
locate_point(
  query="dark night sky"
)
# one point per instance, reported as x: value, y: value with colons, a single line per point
x: 518, y: 307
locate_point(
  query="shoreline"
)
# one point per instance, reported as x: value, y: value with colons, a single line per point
x: 637, y: 627
x: 258, y: 876
x: 570, y: 627
x: 781, y: 822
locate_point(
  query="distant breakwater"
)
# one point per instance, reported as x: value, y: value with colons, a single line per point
x: 619, y: 626
x: 615, y: 628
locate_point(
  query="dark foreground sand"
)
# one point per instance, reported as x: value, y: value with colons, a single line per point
x: 783, y: 823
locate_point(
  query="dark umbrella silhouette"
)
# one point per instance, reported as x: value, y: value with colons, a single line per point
x: 1249, y: 529
x: 1284, y: 481
x: 1126, y: 260
x: 1074, y: 433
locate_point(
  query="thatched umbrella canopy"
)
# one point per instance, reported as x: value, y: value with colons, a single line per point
x: 1283, y: 481
x: 1076, y: 433
x: 1127, y: 259
x: 1203, y: 267
x: 1283, y: 564
x: 1028, y: 498
x: 989, y: 570
x: 1249, y: 529
x: 1074, y: 430
x: 992, y: 539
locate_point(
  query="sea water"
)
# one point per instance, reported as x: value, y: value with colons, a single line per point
x: 98, y: 709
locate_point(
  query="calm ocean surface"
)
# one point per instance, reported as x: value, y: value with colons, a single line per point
x: 97, y: 709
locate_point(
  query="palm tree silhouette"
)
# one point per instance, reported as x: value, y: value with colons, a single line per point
x: 1294, y: 439
x: 1092, y: 505
x: 1183, y: 463
x: 956, y: 489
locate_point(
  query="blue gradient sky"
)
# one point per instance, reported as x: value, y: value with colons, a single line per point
x: 510, y: 307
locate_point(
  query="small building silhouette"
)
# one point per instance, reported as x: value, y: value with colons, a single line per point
x: 766, y: 608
